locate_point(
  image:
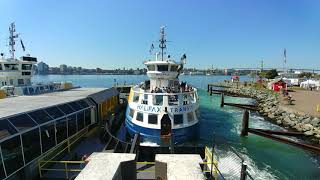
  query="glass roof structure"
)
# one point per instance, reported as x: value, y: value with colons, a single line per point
x: 25, y: 136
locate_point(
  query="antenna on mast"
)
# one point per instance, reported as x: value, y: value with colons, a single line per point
x: 12, y: 37
x: 162, y: 41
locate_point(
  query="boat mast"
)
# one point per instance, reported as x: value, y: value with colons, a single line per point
x: 162, y: 41
x: 12, y: 37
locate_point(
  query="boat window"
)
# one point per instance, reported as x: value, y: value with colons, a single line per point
x: 131, y: 113
x: 22, y: 122
x: 190, y: 116
x: 12, y: 154
x: 26, y: 73
x: 197, y: 113
x: 139, y: 116
x: 75, y: 106
x: 153, y: 119
x: 135, y: 97
x: 173, y: 100
x: 185, y: 99
x: 20, y: 81
x: 2, y: 174
x: 54, y: 112
x: 162, y: 67
x: 151, y: 67
x: 87, y: 116
x: 178, y: 119
x: 6, y: 129
x: 174, y: 68
x: 0, y: 67
x: 191, y: 97
x: 157, y: 100
x: 145, y: 99
x: 72, y: 125
x: 80, y: 120
x: 26, y: 66
x: 11, y: 66
x: 40, y: 116
x: 31, y: 145
x: 47, y: 137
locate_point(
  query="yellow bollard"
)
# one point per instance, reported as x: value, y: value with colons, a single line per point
x: 318, y: 108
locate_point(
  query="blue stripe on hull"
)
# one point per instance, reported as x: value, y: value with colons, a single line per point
x: 148, y: 134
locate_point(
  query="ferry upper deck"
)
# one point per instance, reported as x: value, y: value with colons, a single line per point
x: 30, y: 126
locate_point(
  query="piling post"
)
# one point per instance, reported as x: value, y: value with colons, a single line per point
x: 172, y: 144
x: 245, y: 123
x: 208, y: 87
x: 243, y: 171
x: 211, y: 91
x: 222, y: 100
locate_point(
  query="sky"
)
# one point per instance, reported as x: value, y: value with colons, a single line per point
x: 116, y: 34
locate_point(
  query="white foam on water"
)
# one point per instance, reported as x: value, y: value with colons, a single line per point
x: 149, y: 143
x: 230, y: 166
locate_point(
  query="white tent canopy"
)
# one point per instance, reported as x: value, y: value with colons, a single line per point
x: 310, y: 83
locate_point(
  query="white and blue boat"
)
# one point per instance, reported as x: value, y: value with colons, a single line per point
x: 163, y: 107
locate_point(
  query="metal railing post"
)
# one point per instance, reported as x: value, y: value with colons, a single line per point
x: 66, y: 169
x: 243, y: 171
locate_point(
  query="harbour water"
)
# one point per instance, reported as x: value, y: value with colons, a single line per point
x: 266, y: 159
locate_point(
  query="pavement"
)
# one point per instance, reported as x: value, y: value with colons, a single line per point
x: 305, y: 102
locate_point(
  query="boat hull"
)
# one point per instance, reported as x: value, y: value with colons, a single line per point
x: 180, y: 135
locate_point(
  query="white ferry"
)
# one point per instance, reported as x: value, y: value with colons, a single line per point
x: 162, y: 107
x: 15, y: 74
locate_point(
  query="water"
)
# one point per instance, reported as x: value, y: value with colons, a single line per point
x: 266, y: 159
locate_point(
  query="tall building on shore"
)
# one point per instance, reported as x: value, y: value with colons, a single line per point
x: 63, y: 68
x: 43, y: 68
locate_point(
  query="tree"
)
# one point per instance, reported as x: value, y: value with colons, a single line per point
x: 305, y: 74
x: 271, y: 74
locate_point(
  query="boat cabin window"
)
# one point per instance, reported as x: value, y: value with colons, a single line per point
x: 20, y: 81
x: 185, y: 100
x: 197, y: 113
x: 139, y: 116
x: 0, y: 67
x: 151, y: 67
x: 190, y: 116
x: 135, y: 97
x: 162, y: 67
x: 26, y: 73
x: 157, y: 100
x: 145, y: 99
x: 153, y: 119
x: 11, y: 66
x: 131, y: 113
x: 173, y: 68
x: 178, y: 119
x: 26, y: 66
x: 173, y: 100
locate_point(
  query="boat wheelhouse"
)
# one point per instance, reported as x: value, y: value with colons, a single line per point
x: 15, y: 72
x: 163, y: 107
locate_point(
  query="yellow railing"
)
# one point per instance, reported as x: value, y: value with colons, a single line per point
x: 211, y: 163
x: 65, y: 169
x: 67, y: 143
x: 146, y: 163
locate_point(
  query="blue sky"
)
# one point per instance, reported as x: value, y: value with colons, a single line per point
x: 116, y: 34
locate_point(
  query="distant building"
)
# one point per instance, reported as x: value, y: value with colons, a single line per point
x: 43, y: 68
x: 63, y: 68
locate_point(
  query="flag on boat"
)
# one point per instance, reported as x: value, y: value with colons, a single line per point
x: 24, y: 49
x: 151, y: 48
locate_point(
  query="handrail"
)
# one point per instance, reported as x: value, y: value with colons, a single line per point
x: 166, y: 94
